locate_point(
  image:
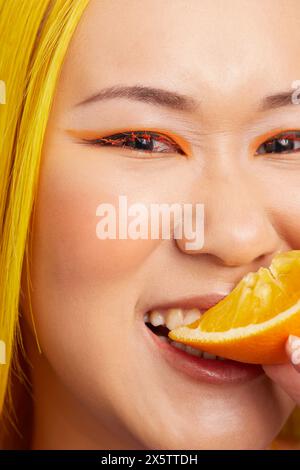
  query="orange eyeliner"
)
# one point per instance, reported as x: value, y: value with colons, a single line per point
x: 91, y: 135
x: 271, y: 134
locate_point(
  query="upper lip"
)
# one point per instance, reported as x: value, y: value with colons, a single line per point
x: 202, y: 302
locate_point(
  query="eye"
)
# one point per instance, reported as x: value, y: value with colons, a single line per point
x: 140, y: 141
x: 286, y: 142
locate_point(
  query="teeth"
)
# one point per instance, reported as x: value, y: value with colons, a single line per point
x: 174, y: 318
x: 193, y: 351
x: 156, y: 318
x: 178, y: 345
x: 207, y: 355
x: 190, y: 349
x: 191, y: 316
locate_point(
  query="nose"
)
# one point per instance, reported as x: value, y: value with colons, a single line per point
x: 238, y: 229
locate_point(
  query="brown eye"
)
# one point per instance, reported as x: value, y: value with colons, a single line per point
x: 286, y: 142
x: 141, y: 141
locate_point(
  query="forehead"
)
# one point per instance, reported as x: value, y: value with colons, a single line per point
x: 195, y: 46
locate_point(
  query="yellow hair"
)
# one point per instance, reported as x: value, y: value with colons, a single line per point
x: 35, y: 35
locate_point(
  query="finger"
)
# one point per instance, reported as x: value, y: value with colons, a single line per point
x: 293, y: 351
x: 287, y: 376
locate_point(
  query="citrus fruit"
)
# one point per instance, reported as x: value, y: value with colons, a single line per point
x: 254, y: 321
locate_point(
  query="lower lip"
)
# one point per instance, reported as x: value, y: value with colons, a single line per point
x: 206, y: 370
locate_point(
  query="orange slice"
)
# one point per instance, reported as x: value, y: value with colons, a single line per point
x: 254, y: 321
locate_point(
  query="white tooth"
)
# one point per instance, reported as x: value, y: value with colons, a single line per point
x: 191, y: 315
x: 156, y: 318
x: 198, y: 353
x: 178, y: 345
x: 146, y: 318
x: 164, y: 339
x: 174, y: 318
x: 193, y: 351
x: 207, y: 355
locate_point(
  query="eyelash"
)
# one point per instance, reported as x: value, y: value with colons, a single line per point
x: 140, y: 138
x: 280, y: 144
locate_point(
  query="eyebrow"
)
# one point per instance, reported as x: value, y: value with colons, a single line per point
x: 155, y: 96
x: 278, y: 100
x: 174, y: 100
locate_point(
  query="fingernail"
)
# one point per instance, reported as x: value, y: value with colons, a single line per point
x: 294, y: 342
x: 295, y: 357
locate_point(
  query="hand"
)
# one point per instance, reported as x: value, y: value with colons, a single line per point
x: 287, y: 376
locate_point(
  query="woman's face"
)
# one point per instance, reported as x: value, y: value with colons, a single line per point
x: 104, y: 378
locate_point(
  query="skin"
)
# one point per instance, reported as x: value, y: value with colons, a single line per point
x: 98, y: 383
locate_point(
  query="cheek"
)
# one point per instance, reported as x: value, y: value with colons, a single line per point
x: 75, y: 276
x: 290, y: 218
x: 284, y: 205
x: 65, y: 239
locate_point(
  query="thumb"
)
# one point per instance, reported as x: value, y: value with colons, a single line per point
x: 287, y: 376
